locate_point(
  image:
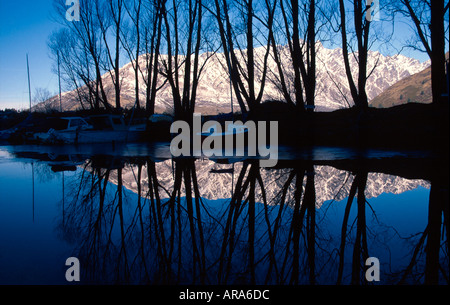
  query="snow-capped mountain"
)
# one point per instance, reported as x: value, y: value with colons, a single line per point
x: 330, y: 183
x: 213, y: 95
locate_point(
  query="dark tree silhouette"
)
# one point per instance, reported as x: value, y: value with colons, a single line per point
x: 360, y: 249
x: 301, y: 52
x: 428, y: 19
x: 110, y: 15
x: 184, y: 41
x: 152, y: 30
x: 361, y: 27
x: 241, y: 60
x: 85, y: 52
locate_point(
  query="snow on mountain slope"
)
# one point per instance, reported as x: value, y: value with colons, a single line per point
x: 214, y: 88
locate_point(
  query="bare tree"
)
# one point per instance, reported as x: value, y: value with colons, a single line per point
x: 361, y: 30
x: 130, y: 36
x: 428, y: 23
x: 151, y: 33
x: 110, y: 15
x: 63, y: 49
x: 240, y: 31
x: 184, y: 40
x: 41, y: 96
x: 142, y: 36
x: 301, y: 52
x: 86, y: 48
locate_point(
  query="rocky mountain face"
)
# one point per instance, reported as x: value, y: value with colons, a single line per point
x: 214, y: 89
x: 330, y: 183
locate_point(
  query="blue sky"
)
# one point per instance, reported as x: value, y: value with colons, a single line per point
x: 24, y: 28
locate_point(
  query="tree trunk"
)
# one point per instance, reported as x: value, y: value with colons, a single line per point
x: 117, y: 55
x: 437, y: 49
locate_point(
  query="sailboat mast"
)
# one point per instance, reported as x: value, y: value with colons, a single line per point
x: 231, y: 97
x: 29, y: 86
x: 59, y: 84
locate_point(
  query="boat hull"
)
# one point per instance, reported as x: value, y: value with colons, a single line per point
x: 90, y: 136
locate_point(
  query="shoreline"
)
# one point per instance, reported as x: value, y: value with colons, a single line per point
x: 408, y: 126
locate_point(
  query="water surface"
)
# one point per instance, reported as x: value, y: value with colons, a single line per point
x: 133, y: 215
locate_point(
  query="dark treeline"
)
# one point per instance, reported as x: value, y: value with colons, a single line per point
x: 169, y: 42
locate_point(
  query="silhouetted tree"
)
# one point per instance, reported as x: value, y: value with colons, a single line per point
x: 239, y: 29
x: 360, y: 249
x: 130, y: 37
x: 42, y: 95
x: 184, y: 41
x: 361, y: 28
x: 151, y: 36
x: 110, y: 15
x: 301, y: 42
x: 85, y: 51
x: 429, y: 25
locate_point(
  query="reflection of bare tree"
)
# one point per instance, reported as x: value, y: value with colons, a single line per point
x: 235, y: 208
x: 309, y: 208
x: 360, y: 249
x: 436, y: 258
x: 438, y: 218
x: 302, y: 225
x: 84, y: 216
x: 157, y: 220
x: 186, y: 168
x: 244, y: 239
x: 142, y: 243
x: 94, y: 238
x: 281, y: 260
x: 96, y: 216
x: 437, y: 231
x: 123, y: 249
x: 169, y: 222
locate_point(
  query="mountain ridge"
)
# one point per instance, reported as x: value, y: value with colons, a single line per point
x: 213, y: 94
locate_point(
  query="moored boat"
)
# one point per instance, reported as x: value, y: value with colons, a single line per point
x: 106, y: 128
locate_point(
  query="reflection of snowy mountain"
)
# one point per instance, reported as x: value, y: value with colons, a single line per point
x: 330, y: 183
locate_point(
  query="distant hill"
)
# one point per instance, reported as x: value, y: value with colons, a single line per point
x: 412, y: 89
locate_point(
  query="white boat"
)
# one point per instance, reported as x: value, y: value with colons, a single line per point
x: 105, y: 128
x: 233, y: 129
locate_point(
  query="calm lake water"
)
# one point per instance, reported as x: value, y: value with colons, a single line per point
x: 131, y: 214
